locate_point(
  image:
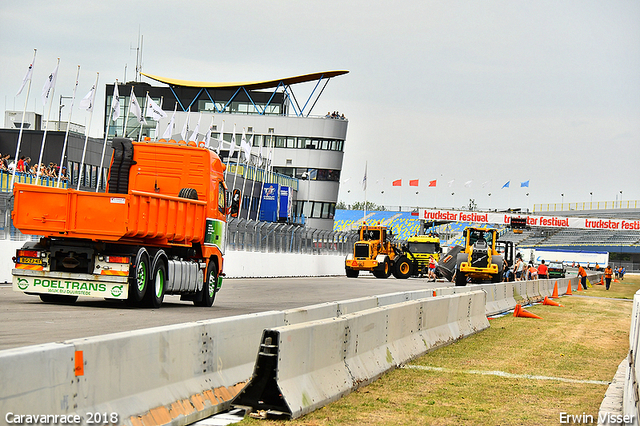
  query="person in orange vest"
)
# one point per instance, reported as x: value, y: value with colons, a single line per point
x: 608, y: 273
x: 583, y: 276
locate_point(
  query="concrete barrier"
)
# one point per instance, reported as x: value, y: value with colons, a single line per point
x: 175, y: 374
x: 305, y: 366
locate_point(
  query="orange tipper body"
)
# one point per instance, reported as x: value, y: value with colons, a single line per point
x: 164, y: 211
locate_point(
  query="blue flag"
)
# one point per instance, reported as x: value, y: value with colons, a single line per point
x: 524, y: 184
x: 506, y: 185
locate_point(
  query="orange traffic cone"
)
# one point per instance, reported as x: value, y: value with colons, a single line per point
x: 519, y: 312
x: 555, y: 291
x: 616, y: 280
x: 434, y: 293
x: 579, y: 286
x: 569, y: 292
x: 601, y: 280
x: 550, y: 302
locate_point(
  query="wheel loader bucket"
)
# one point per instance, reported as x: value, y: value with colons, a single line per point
x: 447, y: 265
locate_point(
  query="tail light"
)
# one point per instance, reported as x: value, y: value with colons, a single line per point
x: 117, y: 259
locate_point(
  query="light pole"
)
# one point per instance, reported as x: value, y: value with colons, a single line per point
x: 60, y: 110
x: 527, y: 194
x: 562, y: 195
x: 591, y: 201
x: 620, y: 199
x: 453, y: 197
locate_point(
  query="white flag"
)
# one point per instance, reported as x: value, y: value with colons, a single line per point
x: 87, y: 101
x: 49, y: 85
x: 260, y: 155
x: 468, y: 183
x: 185, y: 128
x: 153, y: 109
x: 194, y: 135
x: 169, y: 130
x: 364, y: 179
x: 221, y: 138
x: 27, y: 77
x: 207, y: 136
x: 135, y: 108
x: 245, y: 146
x: 115, y: 104
x: 232, y: 147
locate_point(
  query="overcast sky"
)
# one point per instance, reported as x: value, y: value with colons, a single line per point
x: 481, y: 91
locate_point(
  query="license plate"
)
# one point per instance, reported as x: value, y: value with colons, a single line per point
x: 30, y: 260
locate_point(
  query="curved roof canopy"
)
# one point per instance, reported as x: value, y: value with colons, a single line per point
x: 248, y: 84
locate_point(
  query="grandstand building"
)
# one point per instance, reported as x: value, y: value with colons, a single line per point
x: 306, y: 150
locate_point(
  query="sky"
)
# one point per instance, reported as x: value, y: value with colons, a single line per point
x: 480, y: 93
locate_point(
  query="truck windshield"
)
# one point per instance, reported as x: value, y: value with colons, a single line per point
x: 423, y: 248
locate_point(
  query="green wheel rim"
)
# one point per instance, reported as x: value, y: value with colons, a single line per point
x: 141, y: 275
x: 212, y: 284
x: 159, y: 282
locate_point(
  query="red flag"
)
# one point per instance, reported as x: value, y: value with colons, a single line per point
x: 433, y: 182
x: 413, y: 182
x: 397, y: 182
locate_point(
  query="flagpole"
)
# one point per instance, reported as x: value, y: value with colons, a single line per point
x: 157, y: 131
x: 126, y: 117
x: 66, y: 135
x: 104, y: 144
x: 86, y: 138
x: 364, y: 217
x: 44, y: 136
x: 24, y: 111
x: 264, y: 178
x: 144, y: 114
x: 235, y: 175
x: 233, y: 142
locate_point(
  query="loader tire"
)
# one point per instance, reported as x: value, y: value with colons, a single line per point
x: 402, y: 268
x: 461, y: 278
x: 384, y: 271
x: 351, y: 273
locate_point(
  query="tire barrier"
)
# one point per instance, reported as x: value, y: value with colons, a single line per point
x: 305, y: 366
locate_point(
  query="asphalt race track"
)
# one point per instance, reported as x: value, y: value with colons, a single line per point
x: 25, y: 320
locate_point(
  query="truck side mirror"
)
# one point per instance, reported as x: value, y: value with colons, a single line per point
x: 235, y: 203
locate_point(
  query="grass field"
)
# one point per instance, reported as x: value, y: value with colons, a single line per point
x: 583, y: 341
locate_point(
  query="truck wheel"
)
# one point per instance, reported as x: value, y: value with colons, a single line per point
x: 188, y: 193
x: 209, y: 288
x: 155, y: 293
x: 461, y: 278
x: 138, y: 285
x: 58, y: 299
x: 352, y: 273
x: 402, y: 268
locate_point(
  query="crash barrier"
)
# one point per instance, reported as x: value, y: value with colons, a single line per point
x: 174, y: 374
x: 305, y: 366
x: 621, y: 400
x: 181, y: 373
x: 502, y: 297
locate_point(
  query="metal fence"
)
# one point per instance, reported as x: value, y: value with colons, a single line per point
x: 269, y: 237
x: 242, y: 234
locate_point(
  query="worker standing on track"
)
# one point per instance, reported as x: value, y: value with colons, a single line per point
x: 583, y: 276
x: 608, y: 273
x: 543, y: 271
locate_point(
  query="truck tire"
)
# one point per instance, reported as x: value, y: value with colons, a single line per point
x: 58, y: 299
x: 188, y: 193
x: 139, y: 283
x: 155, y: 292
x: 209, y: 288
x: 461, y: 278
x: 403, y: 268
x: 351, y: 273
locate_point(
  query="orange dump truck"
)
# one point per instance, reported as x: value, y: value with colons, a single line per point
x: 158, y: 229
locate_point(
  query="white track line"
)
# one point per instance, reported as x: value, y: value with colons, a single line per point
x: 505, y: 374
